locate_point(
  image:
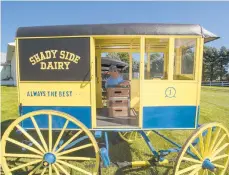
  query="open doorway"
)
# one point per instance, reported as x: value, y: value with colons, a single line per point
x: 117, y: 93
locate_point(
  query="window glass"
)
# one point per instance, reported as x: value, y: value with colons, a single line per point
x: 156, y: 59
x: 135, y: 65
x: 184, y: 59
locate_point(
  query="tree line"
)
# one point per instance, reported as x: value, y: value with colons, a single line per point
x: 215, y: 64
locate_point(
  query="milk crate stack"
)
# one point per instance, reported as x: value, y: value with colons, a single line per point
x: 118, y: 102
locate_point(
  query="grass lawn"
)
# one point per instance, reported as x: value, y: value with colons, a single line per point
x: 214, y: 108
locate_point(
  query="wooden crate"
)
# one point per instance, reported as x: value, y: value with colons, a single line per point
x: 118, y: 92
x: 118, y: 102
x: 118, y: 112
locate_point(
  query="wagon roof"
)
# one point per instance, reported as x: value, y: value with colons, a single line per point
x: 117, y: 29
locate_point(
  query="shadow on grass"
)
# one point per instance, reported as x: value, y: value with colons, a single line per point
x: 120, y: 151
x: 5, y: 125
x: 152, y: 170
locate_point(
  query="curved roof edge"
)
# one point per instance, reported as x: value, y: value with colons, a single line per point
x: 117, y: 29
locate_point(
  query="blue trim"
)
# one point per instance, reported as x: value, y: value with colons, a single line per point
x: 208, y: 165
x: 50, y: 158
x: 106, y: 141
x: 81, y: 113
x: 150, y: 146
x: 198, y: 116
x: 169, y: 117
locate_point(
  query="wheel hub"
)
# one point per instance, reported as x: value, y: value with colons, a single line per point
x: 208, y: 165
x: 49, y: 158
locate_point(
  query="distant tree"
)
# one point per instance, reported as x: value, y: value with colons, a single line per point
x: 123, y: 56
x: 187, y: 61
x: 157, y: 63
x: 223, y: 61
x: 227, y: 77
x: 113, y: 55
x: 210, y: 60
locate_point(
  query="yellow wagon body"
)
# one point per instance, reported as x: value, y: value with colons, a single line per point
x: 171, y: 102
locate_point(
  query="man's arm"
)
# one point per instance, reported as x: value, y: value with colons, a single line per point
x: 123, y: 82
x: 106, y: 84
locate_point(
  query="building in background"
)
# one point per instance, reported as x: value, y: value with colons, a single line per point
x: 8, y: 66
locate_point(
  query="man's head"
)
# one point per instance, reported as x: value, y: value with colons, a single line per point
x: 113, y: 71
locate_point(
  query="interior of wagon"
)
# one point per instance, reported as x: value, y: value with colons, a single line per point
x: 119, y: 105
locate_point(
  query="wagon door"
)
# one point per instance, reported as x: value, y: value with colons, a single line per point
x: 171, y: 84
x: 54, y: 73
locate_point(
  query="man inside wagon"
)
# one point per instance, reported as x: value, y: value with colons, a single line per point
x: 115, y: 79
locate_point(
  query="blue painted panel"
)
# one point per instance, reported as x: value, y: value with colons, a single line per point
x: 198, y: 116
x: 169, y: 117
x: 81, y: 113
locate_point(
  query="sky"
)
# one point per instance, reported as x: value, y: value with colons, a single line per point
x: 211, y: 15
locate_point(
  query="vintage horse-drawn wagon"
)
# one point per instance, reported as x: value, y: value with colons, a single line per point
x: 64, y: 116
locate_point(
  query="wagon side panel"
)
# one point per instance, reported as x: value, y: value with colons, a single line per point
x: 55, y: 74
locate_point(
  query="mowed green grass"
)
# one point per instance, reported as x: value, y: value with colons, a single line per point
x: 214, y: 107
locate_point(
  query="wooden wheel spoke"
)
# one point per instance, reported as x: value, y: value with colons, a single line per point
x: 125, y: 133
x: 193, y: 149
x: 35, y: 169
x: 201, y: 144
x: 69, y: 141
x: 218, y: 143
x: 220, y: 149
x: 62, y: 169
x: 50, y: 133
x: 220, y: 157
x: 25, y: 165
x: 136, y: 135
x: 195, y: 171
x: 50, y: 169
x: 74, y: 167
x: 76, y: 158
x: 35, y: 156
x: 191, y: 160
x: 55, y: 169
x: 60, y: 135
x: 208, y: 139
x: 24, y: 146
x: 185, y: 170
x: 75, y: 149
x: 214, y: 139
x: 30, y: 138
x: 44, y: 170
x: 219, y: 166
x: 39, y: 134
x: 130, y: 135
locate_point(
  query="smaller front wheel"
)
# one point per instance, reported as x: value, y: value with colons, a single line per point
x: 131, y: 136
x: 205, y: 152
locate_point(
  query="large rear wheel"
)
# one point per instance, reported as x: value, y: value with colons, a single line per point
x: 49, y: 150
